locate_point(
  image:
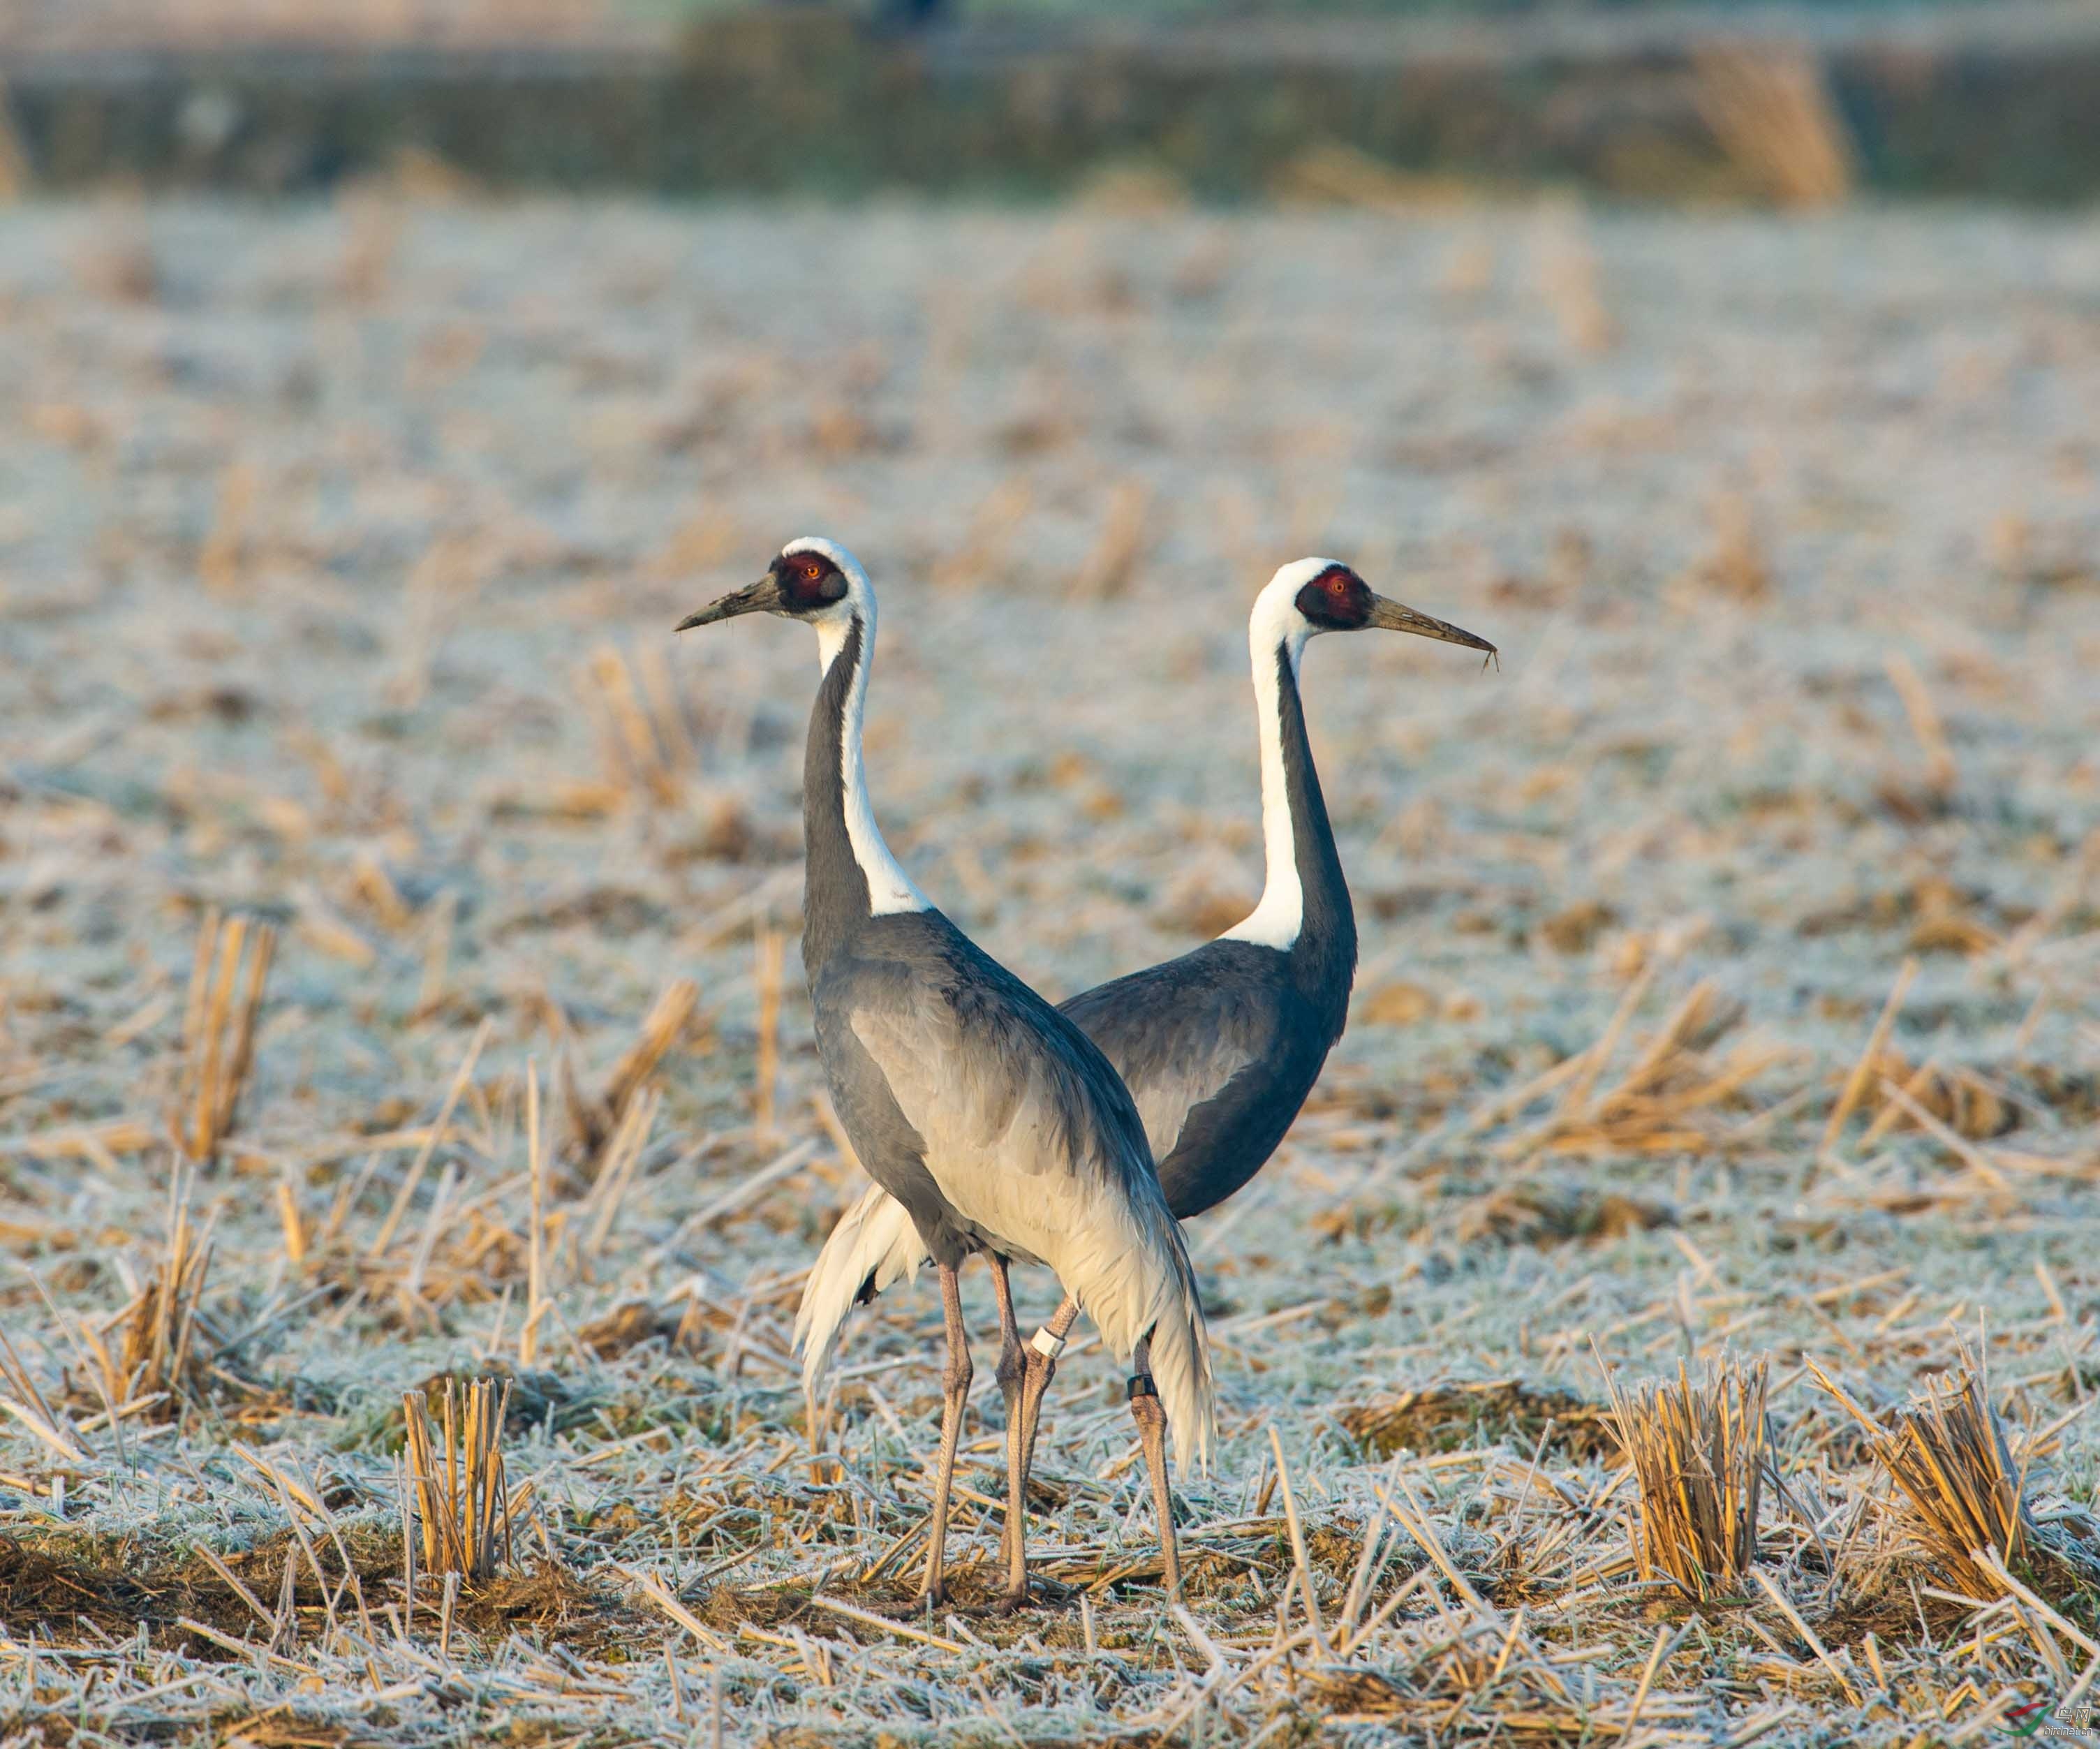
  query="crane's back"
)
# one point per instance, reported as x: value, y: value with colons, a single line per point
x: 1219, y: 1049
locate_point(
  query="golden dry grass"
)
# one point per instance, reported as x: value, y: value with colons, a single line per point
x: 1768, y: 107
x: 226, y: 985
x: 463, y: 1506
x: 1969, y: 1510
x: 1698, y: 1456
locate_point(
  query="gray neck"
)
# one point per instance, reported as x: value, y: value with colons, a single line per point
x: 850, y: 874
x: 835, y: 891
x: 1323, y: 958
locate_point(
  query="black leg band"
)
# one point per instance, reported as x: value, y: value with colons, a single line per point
x: 1142, y: 1386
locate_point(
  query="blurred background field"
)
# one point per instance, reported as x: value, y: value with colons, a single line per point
x: 1037, y: 97
x: 1730, y: 981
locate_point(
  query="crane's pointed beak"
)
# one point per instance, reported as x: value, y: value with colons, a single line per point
x: 1392, y: 617
x: 762, y: 596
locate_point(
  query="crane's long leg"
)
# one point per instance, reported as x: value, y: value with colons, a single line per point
x: 1152, y: 1431
x: 1012, y: 1369
x: 955, y: 1389
x: 1144, y: 1409
x: 1041, y: 1356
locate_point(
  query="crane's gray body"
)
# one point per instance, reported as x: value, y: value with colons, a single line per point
x: 909, y: 1013
x: 1219, y: 1048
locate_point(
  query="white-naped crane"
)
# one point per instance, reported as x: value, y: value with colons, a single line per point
x: 1219, y: 1047
x: 990, y: 1120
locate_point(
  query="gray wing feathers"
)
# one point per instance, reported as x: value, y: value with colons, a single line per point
x: 998, y: 1128
x: 874, y: 1247
x: 1030, y: 1137
x: 1177, y: 1034
x: 1165, y: 1099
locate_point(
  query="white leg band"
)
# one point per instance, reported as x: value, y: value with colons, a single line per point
x: 1049, y: 1347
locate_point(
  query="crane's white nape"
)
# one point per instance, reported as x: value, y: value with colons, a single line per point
x: 1277, y: 626
x: 889, y: 889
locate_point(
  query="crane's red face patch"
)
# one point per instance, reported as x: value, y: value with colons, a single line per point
x: 1338, y: 600
x: 808, y: 581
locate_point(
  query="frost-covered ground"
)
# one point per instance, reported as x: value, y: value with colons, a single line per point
x: 338, y: 551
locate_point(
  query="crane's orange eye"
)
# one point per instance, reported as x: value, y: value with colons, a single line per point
x: 812, y: 570
x: 1338, y: 584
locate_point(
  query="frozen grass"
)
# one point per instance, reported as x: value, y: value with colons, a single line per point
x: 1729, y: 984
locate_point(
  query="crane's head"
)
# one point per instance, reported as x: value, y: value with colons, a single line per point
x: 1309, y: 596
x: 813, y: 580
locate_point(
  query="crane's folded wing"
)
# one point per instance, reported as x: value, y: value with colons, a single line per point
x: 1016, y: 1131
x: 1179, y: 1032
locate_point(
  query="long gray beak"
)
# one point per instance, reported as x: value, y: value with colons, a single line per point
x: 762, y: 596
x: 1390, y: 617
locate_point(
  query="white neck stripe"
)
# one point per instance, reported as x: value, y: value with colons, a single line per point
x: 1277, y: 628
x: 889, y: 889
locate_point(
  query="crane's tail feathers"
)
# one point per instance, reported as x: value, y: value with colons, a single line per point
x: 873, y: 1247
x: 1145, y: 1290
x: 1181, y: 1356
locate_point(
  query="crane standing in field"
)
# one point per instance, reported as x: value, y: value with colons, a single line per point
x: 1219, y: 1047
x: 992, y: 1120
